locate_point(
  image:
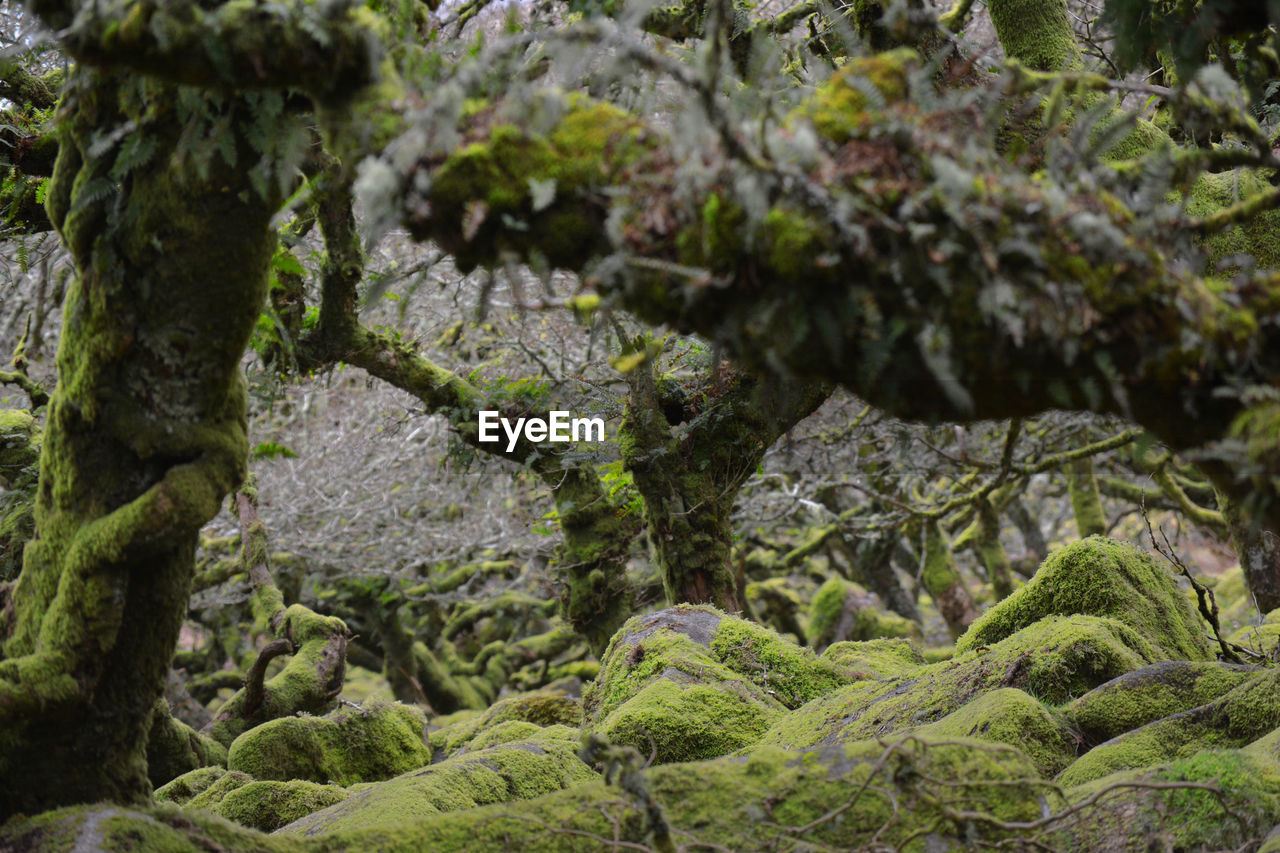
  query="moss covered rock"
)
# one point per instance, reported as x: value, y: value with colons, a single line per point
x: 1010, y: 716
x: 842, y: 610
x: 1101, y: 577
x: 1054, y: 660
x: 189, y: 784
x: 1241, y: 715
x: 350, y: 745
x: 270, y: 805
x: 501, y: 774
x: 537, y: 708
x: 690, y: 682
x: 1235, y: 802
x: 1263, y: 636
x: 884, y: 658
x: 1150, y: 693
x: 840, y: 797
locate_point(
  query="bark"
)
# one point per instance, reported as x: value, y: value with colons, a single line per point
x: 145, y: 435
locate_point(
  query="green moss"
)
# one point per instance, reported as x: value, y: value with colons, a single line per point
x: 1054, y: 660
x: 1101, y: 577
x: 758, y: 802
x: 1242, y: 805
x: 1241, y: 715
x: 173, y: 748
x: 881, y: 659
x: 692, y: 682
x: 160, y: 828
x: 539, y: 707
x: 350, y: 745
x: 845, y: 106
x: 590, y: 143
x: 189, y: 784
x: 687, y: 722
x: 841, y: 610
x: 1155, y: 691
x: 209, y: 798
x: 1037, y: 33
x: 789, y: 673
x: 1011, y: 717
x: 270, y: 805
x: 500, y: 774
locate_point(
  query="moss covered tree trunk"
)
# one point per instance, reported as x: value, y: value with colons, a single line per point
x: 943, y: 581
x: 145, y: 435
x: 689, y: 450
x: 1086, y: 502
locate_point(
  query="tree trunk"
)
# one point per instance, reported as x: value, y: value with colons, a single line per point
x: 942, y: 580
x: 1086, y: 503
x: 145, y: 435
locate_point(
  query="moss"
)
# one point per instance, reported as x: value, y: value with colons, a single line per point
x: 789, y: 673
x: 500, y: 774
x: 351, y: 745
x: 1155, y: 691
x: 160, y: 828
x: 883, y: 658
x: 189, y: 784
x: 1213, y: 192
x: 1241, y: 715
x: 270, y: 805
x: 845, y: 105
x: 691, y: 682
x: 1054, y: 660
x: 1086, y: 502
x: 590, y: 144
x: 1011, y: 717
x: 841, y: 610
x: 504, y: 732
x: 1101, y: 577
x: 1243, y: 803
x: 757, y: 802
x: 687, y: 722
x: 1037, y: 33
x: 173, y: 748
x: 539, y: 707
x: 209, y: 798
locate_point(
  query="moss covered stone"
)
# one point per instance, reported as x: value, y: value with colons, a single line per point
x: 842, y: 610
x: 1237, y: 802
x: 882, y: 658
x: 538, y: 708
x: 1148, y: 694
x: 270, y: 805
x: 350, y: 745
x: 1012, y: 717
x: 1054, y: 660
x: 771, y: 799
x: 1241, y: 715
x: 1101, y: 577
x: 690, y: 682
x: 512, y: 771
x: 189, y: 784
